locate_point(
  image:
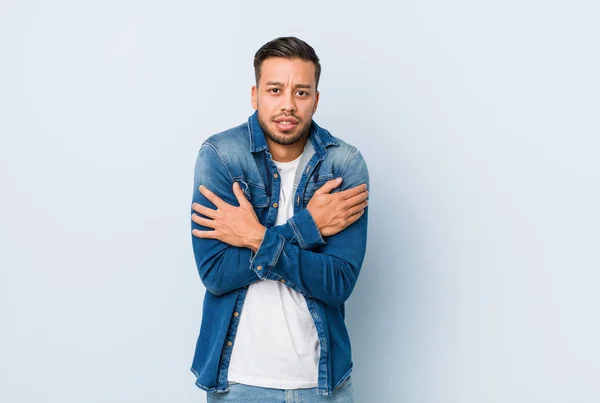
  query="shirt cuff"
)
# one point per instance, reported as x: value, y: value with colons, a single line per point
x: 305, y: 229
x: 267, y: 254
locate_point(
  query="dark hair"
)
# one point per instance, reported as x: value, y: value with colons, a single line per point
x: 289, y: 47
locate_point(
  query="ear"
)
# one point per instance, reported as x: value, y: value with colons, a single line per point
x: 316, y: 102
x: 254, y: 97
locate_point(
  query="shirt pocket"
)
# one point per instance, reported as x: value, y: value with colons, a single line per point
x: 256, y: 194
x: 316, y: 182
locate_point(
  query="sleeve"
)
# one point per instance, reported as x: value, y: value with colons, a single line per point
x: 224, y: 268
x: 328, y: 274
x: 301, y: 229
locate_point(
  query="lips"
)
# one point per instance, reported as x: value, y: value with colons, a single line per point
x: 285, y: 123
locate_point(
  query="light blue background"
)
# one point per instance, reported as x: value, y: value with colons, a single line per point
x: 479, y: 123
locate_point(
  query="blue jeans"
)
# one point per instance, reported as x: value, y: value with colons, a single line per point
x: 254, y: 394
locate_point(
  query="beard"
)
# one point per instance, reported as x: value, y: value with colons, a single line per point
x: 284, y: 140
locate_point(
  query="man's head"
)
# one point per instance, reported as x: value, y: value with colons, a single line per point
x: 287, y: 73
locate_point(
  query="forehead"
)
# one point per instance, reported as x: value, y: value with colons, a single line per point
x: 285, y: 70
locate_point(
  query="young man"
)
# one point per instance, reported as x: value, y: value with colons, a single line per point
x: 279, y: 230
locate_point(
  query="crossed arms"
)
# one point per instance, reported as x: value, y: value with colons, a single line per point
x: 232, y: 249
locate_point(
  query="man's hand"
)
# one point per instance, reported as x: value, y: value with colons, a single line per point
x: 236, y: 226
x: 335, y: 212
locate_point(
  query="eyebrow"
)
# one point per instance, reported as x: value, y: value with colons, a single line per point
x: 280, y: 84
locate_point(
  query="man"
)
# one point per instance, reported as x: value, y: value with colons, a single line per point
x: 279, y: 230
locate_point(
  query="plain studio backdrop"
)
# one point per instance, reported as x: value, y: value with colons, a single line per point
x: 479, y: 121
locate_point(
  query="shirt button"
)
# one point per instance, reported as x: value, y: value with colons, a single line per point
x: 229, y: 344
x: 275, y: 205
x: 236, y: 314
x: 275, y: 176
x: 259, y: 268
x: 282, y: 280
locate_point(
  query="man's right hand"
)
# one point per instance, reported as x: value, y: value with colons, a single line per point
x: 335, y: 212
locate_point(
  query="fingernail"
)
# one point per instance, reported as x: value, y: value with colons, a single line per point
x: 338, y: 179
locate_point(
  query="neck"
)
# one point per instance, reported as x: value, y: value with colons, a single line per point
x: 288, y: 152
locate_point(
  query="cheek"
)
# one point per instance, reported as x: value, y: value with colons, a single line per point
x: 265, y: 105
x: 308, y: 110
x: 264, y: 113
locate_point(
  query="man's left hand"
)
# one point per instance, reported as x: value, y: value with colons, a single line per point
x: 236, y: 226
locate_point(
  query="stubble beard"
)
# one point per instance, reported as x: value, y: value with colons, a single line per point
x: 285, y: 140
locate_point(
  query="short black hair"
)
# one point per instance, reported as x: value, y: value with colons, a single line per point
x: 288, y: 47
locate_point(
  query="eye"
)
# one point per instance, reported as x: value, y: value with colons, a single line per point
x: 302, y: 93
x: 274, y: 90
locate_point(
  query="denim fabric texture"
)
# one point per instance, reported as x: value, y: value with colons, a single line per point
x: 239, y: 393
x: 325, y: 271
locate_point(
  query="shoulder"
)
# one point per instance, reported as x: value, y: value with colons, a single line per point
x: 345, y: 154
x: 230, y: 140
x: 347, y: 160
x: 337, y: 148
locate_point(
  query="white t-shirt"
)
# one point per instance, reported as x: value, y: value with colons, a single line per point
x: 276, y: 344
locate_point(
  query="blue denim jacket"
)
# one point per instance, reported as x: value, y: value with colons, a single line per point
x: 323, y: 270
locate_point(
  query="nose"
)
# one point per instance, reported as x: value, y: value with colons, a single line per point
x: 288, y: 103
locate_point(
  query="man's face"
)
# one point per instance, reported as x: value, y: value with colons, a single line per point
x: 286, y: 99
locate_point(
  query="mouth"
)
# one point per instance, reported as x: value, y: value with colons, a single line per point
x: 286, y: 124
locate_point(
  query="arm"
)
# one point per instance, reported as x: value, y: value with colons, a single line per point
x: 222, y: 267
x: 302, y: 230
x: 330, y: 274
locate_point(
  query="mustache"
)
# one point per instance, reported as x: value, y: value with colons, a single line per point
x: 287, y: 115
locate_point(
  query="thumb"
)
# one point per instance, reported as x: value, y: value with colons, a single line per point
x: 329, y: 186
x: 239, y: 194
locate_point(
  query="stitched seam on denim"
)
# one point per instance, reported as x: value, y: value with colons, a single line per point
x: 242, y: 178
x: 318, y: 231
x: 318, y: 138
x: 350, y: 155
x: 329, y: 392
x: 231, y: 335
x: 277, y: 253
x: 343, y: 379
x: 251, y: 135
x: 206, y: 388
x: 297, y: 233
x: 221, y: 158
x: 256, y: 185
x: 331, y: 139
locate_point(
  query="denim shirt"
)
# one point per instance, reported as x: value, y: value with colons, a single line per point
x: 323, y: 270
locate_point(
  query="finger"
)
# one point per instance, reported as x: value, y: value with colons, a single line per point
x: 358, y: 208
x: 329, y: 186
x: 213, y: 198
x: 205, y: 222
x: 239, y: 194
x: 354, y: 218
x: 356, y: 190
x: 205, y: 234
x: 205, y: 211
x: 359, y: 198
